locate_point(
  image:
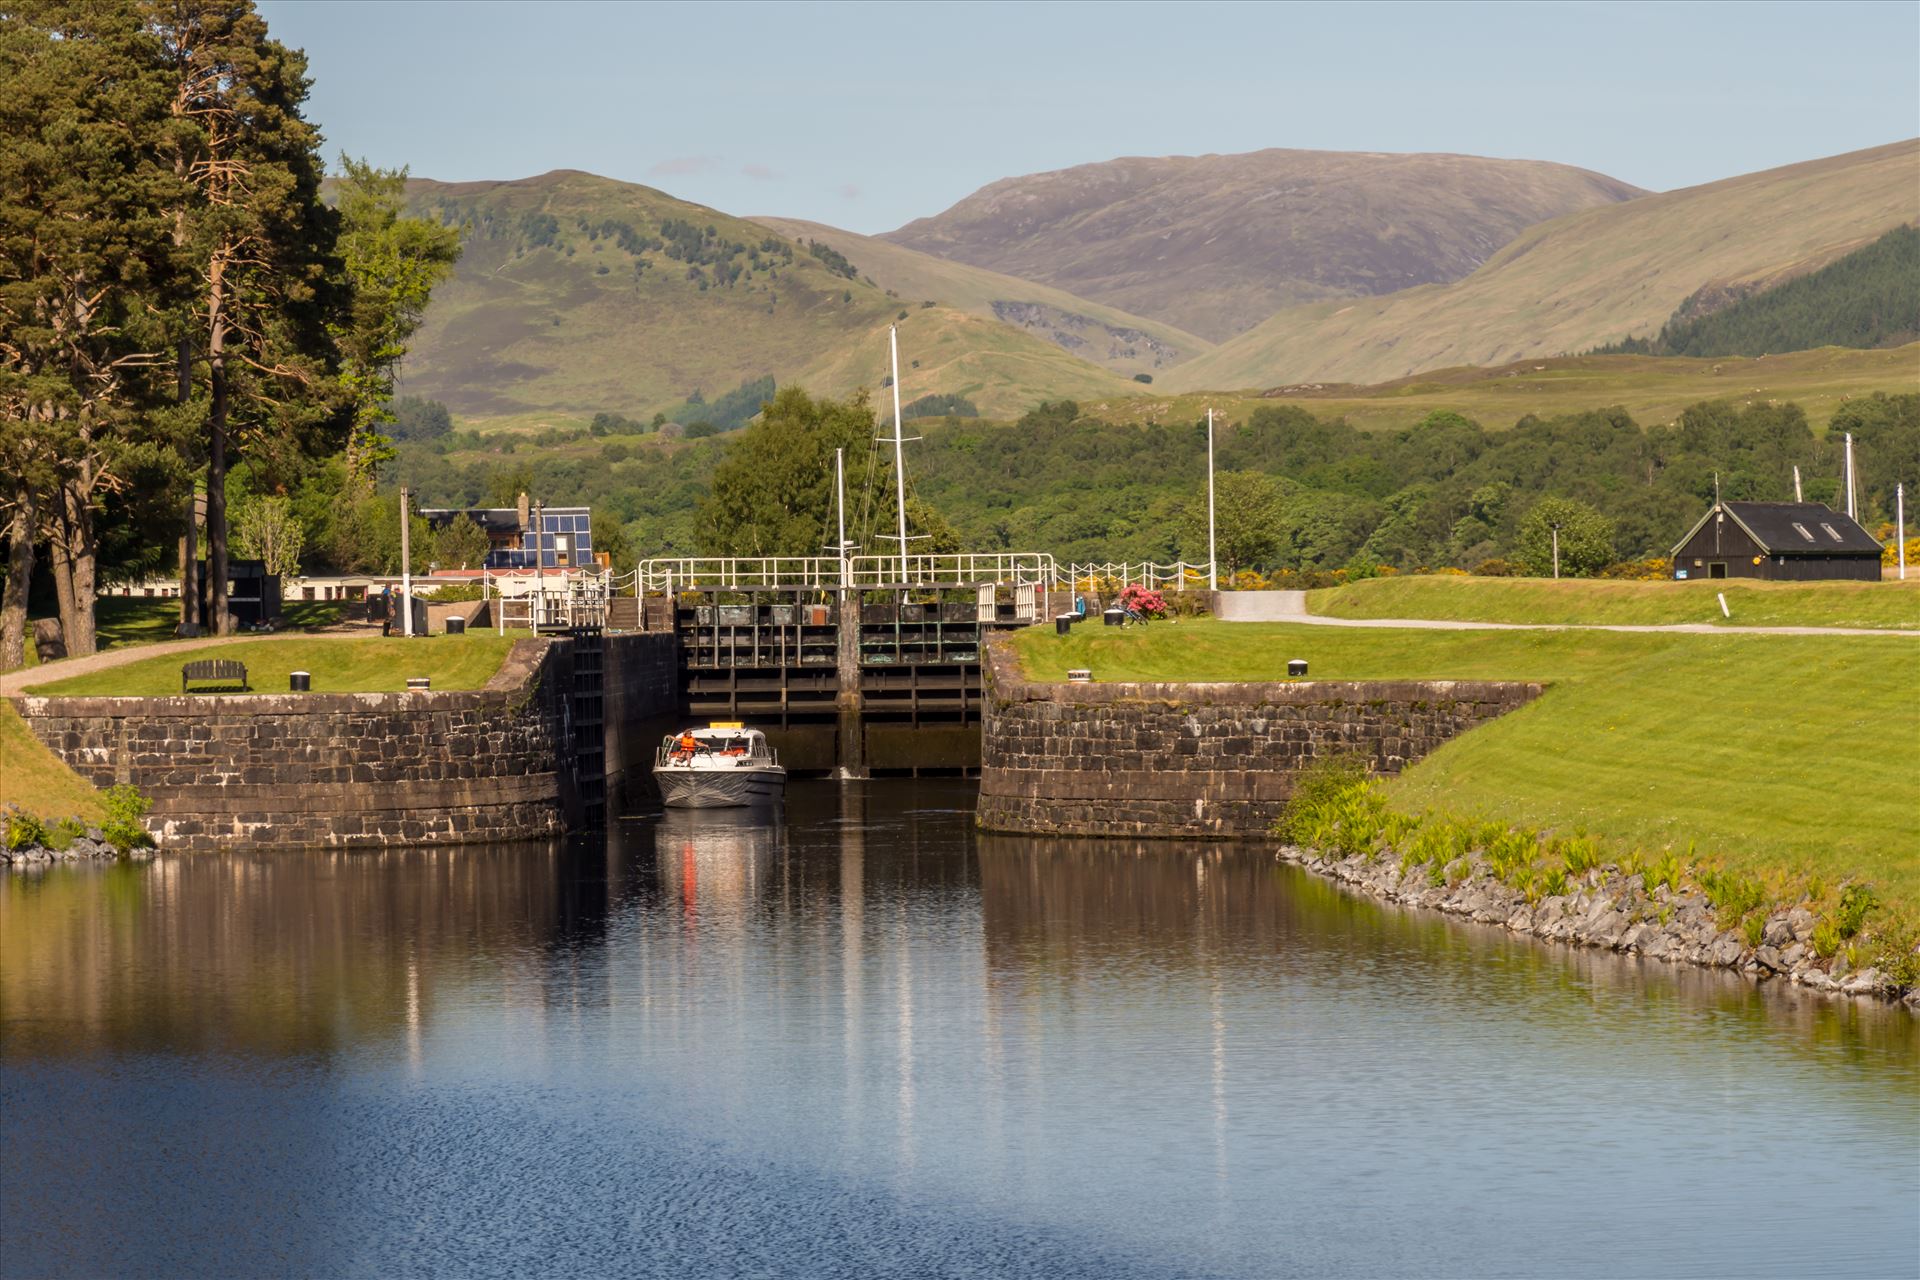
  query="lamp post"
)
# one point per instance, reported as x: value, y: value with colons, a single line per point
x: 1556, y: 550
x: 1213, y: 558
x: 406, y: 560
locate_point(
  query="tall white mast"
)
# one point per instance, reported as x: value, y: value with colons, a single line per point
x: 1796, y: 486
x: 1213, y: 559
x: 1853, y: 512
x: 1900, y: 525
x: 899, y: 462
x: 840, y: 507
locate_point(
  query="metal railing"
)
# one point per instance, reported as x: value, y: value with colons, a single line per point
x: 1179, y: 575
x: 738, y: 573
x: 542, y: 599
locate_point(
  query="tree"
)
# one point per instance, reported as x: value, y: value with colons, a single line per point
x: 264, y: 528
x: 1246, y: 522
x: 84, y: 271
x: 463, y: 544
x: 772, y: 493
x: 260, y: 243
x: 417, y: 419
x: 392, y: 264
x: 1586, y: 538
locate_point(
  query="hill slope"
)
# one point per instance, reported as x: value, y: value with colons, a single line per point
x: 1093, y: 331
x: 1215, y: 244
x: 577, y: 294
x: 1588, y: 278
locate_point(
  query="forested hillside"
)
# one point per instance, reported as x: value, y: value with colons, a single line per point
x: 1870, y: 298
x: 1296, y: 490
x: 582, y: 295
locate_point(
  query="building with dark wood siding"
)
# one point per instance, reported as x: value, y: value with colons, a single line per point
x: 1783, y: 541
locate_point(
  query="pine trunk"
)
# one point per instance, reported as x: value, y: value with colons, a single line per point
x: 61, y: 564
x: 13, y: 594
x: 83, y: 561
x: 220, y: 623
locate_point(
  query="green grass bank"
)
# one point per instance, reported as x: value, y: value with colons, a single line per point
x: 1776, y: 756
x: 375, y: 665
x: 1890, y: 605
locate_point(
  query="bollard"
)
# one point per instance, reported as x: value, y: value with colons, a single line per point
x: 1062, y: 623
x: 456, y: 626
x: 1079, y: 675
x: 1114, y: 617
x: 299, y: 681
x: 1297, y: 667
x: 419, y: 682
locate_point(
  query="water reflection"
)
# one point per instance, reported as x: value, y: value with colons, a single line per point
x: 863, y: 1035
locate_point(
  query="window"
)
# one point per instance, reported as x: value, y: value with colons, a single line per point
x: 1802, y: 531
x: 1831, y: 531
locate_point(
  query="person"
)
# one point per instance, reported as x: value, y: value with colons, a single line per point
x: 687, y: 745
x: 386, y: 610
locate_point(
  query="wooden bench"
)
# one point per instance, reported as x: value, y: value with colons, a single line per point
x: 208, y: 669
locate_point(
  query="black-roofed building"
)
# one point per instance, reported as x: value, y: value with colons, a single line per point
x: 563, y: 540
x: 1783, y: 541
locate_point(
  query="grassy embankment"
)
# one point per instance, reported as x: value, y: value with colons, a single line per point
x: 1894, y: 605
x: 35, y: 779
x: 129, y: 620
x: 1773, y: 756
x: 376, y: 665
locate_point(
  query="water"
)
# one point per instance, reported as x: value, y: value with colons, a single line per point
x: 869, y: 1042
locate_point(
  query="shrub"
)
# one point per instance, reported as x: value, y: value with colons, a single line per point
x: 1321, y: 787
x: 1664, y: 870
x: 62, y: 834
x: 1732, y: 895
x: 1855, y: 901
x: 1826, y: 938
x: 125, y: 808
x: 1496, y: 568
x: 1755, y: 928
x: 24, y: 831
x: 1581, y: 854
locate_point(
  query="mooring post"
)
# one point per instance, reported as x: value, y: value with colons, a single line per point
x: 848, y: 702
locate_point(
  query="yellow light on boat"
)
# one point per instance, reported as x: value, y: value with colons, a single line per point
x: 728, y: 724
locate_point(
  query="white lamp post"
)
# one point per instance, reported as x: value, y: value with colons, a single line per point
x: 1213, y: 557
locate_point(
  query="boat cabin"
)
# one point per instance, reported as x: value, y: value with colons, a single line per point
x: 720, y: 740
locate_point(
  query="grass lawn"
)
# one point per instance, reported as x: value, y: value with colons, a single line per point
x: 130, y: 620
x: 1772, y: 754
x: 338, y: 666
x: 35, y: 779
x: 1752, y: 604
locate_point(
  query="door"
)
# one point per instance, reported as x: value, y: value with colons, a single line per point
x: 1717, y: 569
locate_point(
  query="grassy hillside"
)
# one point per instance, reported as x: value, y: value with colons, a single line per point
x: 1586, y: 279
x: 1652, y: 389
x: 1870, y: 298
x: 1571, y: 602
x: 1767, y: 752
x: 1215, y: 243
x: 578, y: 294
x: 1107, y: 336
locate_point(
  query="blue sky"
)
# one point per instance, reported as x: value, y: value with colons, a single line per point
x: 867, y: 116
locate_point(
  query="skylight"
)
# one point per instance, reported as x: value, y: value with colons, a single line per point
x: 1802, y: 531
x: 1831, y: 531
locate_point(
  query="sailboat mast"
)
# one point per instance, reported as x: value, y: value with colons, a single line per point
x: 840, y: 508
x: 899, y: 461
x: 1853, y: 512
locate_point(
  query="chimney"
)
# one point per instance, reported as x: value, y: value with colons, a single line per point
x: 525, y: 509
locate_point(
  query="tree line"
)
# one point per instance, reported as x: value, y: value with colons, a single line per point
x: 181, y: 310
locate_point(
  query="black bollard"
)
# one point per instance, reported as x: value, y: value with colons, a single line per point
x: 299, y: 682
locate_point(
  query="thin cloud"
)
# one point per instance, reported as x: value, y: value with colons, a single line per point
x: 758, y: 172
x: 849, y: 192
x: 680, y: 166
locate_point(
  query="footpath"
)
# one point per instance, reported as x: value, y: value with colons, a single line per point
x: 16, y: 682
x: 1291, y: 606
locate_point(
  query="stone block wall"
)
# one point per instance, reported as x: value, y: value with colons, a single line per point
x: 1197, y: 760
x: 334, y: 770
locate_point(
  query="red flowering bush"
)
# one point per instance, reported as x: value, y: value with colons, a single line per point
x: 1148, y: 604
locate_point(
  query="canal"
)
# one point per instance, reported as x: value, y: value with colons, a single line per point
x: 868, y: 1041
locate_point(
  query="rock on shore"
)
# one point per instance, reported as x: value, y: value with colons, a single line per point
x: 1604, y: 908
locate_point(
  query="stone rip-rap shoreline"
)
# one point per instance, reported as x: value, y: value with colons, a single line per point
x: 1615, y: 911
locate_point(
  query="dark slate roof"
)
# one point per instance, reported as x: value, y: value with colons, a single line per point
x: 492, y: 519
x: 1777, y: 527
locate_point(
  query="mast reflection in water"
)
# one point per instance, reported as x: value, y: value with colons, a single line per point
x: 861, y: 1039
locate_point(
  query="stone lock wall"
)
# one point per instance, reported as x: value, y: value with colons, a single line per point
x: 331, y: 770
x: 1197, y: 760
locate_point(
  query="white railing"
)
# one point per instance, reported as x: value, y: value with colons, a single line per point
x: 530, y: 599
x: 735, y: 573
x: 1153, y: 576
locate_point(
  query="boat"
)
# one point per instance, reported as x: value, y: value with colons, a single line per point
x: 721, y: 766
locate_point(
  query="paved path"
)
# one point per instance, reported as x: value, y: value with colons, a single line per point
x: 1291, y: 606
x: 15, y: 682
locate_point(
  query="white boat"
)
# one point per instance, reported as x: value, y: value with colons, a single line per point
x: 720, y: 766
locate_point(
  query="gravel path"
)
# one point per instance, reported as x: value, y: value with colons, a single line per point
x: 1291, y: 606
x: 15, y: 682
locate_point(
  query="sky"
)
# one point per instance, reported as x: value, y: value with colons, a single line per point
x: 866, y: 116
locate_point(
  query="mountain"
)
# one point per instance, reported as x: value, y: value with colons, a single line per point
x: 579, y: 294
x: 1586, y: 279
x: 1215, y: 244
x: 1105, y: 335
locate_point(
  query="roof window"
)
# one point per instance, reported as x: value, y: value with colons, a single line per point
x: 1802, y: 531
x: 1831, y: 531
